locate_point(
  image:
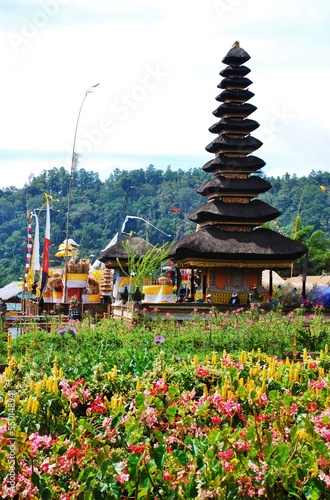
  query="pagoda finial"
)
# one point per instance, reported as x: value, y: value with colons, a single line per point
x: 236, y: 44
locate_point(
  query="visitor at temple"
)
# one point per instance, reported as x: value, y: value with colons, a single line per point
x: 234, y: 299
x: 255, y: 296
x: 190, y: 298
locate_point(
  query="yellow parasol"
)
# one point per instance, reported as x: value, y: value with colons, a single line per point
x: 63, y: 246
x: 63, y: 253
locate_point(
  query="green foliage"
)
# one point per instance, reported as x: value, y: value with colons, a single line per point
x: 213, y: 424
x: 146, y: 265
x: 96, y: 207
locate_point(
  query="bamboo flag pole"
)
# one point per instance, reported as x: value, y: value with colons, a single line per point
x: 9, y: 345
x: 74, y: 161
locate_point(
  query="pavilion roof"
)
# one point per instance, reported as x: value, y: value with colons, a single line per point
x: 259, y: 245
x: 138, y: 246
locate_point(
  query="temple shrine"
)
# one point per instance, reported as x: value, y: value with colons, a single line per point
x: 231, y: 246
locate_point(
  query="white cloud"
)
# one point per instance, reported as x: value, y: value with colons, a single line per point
x: 54, y: 59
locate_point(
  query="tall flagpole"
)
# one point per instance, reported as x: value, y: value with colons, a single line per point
x: 74, y: 160
x: 45, y: 253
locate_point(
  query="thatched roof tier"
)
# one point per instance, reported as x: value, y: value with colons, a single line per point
x: 138, y: 246
x: 234, y: 83
x: 221, y: 185
x: 230, y: 232
x: 262, y: 246
x: 226, y: 163
x: 256, y: 212
x: 235, y: 96
x: 236, y: 56
x: 225, y: 125
x: 230, y: 109
x: 225, y: 144
x: 234, y: 71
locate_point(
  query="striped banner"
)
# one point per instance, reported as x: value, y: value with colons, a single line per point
x: 28, y: 254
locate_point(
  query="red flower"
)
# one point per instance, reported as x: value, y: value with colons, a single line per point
x: 72, y: 452
x: 202, y: 372
x: 216, y: 420
x: 137, y: 448
x: 97, y: 405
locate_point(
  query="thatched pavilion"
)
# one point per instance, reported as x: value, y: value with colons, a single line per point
x: 231, y: 246
x: 116, y: 257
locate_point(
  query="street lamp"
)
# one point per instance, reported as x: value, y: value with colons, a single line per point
x: 73, y: 165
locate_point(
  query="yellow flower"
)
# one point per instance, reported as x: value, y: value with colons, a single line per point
x: 35, y: 406
x: 55, y: 386
x: 302, y: 435
x: 138, y: 385
x: 38, y: 387
x: 29, y: 405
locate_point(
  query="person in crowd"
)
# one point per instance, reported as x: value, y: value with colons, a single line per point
x: 234, y: 299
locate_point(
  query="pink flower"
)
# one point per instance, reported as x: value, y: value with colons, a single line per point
x: 149, y: 416
x: 122, y: 478
x: 225, y: 455
x: 317, y: 384
x: 325, y: 478
x: 241, y: 445
x: 167, y: 476
x: 202, y: 372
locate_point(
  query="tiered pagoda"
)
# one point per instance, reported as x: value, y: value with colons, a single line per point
x: 231, y: 247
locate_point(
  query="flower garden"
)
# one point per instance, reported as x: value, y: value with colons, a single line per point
x: 226, y: 406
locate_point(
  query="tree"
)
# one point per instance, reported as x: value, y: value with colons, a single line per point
x: 318, y: 251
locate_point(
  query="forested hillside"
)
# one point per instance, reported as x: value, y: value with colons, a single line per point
x: 164, y: 198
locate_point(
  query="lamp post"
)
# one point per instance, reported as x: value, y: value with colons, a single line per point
x: 73, y: 165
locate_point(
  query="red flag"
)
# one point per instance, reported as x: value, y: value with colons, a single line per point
x: 45, y: 260
x: 175, y: 209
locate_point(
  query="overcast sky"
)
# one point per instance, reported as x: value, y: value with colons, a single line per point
x: 157, y: 64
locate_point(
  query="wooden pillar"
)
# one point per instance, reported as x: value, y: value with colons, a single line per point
x: 270, y: 291
x: 204, y: 275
